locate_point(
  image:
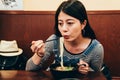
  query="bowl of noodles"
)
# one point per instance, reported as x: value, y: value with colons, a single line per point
x: 59, y: 72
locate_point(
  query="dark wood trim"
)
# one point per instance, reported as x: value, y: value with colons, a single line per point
x: 28, y: 12
x: 102, y: 12
x: 116, y: 77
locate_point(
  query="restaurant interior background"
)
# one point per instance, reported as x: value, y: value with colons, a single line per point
x: 36, y: 17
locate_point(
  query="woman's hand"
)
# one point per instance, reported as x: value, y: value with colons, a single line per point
x: 38, y: 47
x: 83, y: 67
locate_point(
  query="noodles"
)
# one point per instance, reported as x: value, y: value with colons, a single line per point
x: 61, y: 52
x: 64, y: 68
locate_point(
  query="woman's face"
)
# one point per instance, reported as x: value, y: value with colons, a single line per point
x: 70, y: 27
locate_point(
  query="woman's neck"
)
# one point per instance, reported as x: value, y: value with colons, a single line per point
x: 78, y: 45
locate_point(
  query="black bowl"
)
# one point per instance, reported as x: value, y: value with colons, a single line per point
x: 57, y: 74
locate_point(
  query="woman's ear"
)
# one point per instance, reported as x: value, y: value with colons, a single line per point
x: 84, y: 24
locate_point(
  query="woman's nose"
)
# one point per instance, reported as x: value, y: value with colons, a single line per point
x: 64, y: 28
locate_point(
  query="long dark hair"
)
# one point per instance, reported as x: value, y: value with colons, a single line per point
x: 77, y: 10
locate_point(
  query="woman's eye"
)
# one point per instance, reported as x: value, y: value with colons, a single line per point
x: 60, y: 24
x: 70, y: 23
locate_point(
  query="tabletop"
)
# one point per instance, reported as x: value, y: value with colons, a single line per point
x: 43, y: 75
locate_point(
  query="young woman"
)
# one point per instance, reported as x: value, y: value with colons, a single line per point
x: 79, y: 41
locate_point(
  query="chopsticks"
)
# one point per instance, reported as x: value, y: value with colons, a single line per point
x: 48, y: 40
x: 51, y: 40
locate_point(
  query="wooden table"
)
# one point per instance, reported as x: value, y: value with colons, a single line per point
x: 42, y: 75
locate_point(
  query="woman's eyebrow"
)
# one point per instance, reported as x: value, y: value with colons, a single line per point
x: 66, y: 20
x: 70, y: 20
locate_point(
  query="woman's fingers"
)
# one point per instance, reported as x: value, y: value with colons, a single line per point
x: 37, y: 46
x: 81, y: 62
x: 84, y: 71
x: 83, y: 67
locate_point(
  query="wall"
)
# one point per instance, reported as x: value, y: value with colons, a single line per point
x: 51, y: 5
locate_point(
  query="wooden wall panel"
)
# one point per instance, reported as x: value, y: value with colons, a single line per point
x: 107, y: 28
x: 25, y: 26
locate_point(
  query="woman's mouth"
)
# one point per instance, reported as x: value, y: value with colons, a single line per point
x: 66, y: 37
